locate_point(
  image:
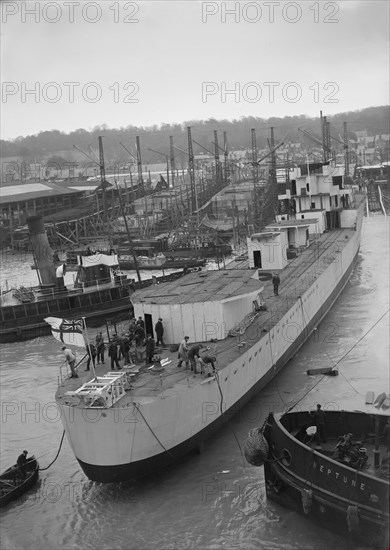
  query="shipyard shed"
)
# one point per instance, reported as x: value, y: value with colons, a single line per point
x: 18, y: 201
x: 202, y: 305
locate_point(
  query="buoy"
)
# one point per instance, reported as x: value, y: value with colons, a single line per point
x: 307, y: 500
x: 386, y: 403
x: 379, y: 400
x: 370, y: 398
x: 256, y: 447
x: 352, y: 518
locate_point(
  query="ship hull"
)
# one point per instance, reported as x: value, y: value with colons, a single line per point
x: 143, y: 467
x: 162, y: 430
x: 349, y: 500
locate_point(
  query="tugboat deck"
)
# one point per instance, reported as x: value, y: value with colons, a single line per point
x: 296, y: 278
x: 329, y: 449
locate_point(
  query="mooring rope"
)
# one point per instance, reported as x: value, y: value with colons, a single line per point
x: 339, y: 361
x: 58, y: 452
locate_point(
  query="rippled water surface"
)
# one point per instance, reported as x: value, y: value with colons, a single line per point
x: 211, y: 500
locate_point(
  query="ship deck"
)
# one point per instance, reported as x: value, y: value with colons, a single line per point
x: 329, y: 449
x: 296, y: 278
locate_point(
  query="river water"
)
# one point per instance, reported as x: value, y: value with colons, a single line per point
x: 211, y: 500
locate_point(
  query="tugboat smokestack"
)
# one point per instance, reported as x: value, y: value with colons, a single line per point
x: 43, y: 254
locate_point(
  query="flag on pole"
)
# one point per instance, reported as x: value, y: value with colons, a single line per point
x: 67, y: 332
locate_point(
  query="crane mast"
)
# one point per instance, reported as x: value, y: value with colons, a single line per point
x: 225, y: 155
x: 217, y: 163
x: 254, y: 157
x: 172, y: 159
x: 346, y: 152
x: 191, y: 169
x: 102, y: 176
x: 139, y: 162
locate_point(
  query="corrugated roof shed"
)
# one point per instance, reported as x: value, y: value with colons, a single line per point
x: 30, y: 191
x: 204, y: 286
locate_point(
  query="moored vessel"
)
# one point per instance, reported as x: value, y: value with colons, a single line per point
x: 149, y: 416
x: 333, y: 466
x: 99, y: 292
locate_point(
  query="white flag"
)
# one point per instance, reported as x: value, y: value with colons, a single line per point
x: 67, y: 332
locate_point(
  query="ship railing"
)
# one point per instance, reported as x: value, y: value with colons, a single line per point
x: 80, y: 287
x: 102, y: 392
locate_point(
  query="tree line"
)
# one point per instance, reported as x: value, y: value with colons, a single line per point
x: 40, y: 147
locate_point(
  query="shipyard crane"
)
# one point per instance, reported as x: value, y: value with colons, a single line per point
x: 166, y: 160
x: 255, y: 163
x: 103, y: 181
x: 275, y: 148
x: 307, y: 134
x: 130, y: 164
x: 172, y: 158
x: 139, y: 162
x: 225, y: 154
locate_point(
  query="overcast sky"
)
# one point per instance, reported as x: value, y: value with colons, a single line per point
x: 69, y: 65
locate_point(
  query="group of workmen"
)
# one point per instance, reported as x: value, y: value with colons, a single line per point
x: 119, y: 347
x: 190, y: 355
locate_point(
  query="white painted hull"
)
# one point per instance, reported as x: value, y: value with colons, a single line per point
x: 132, y: 439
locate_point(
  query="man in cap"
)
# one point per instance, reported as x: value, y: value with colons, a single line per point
x: 21, y: 463
x: 159, y: 332
x: 183, y: 351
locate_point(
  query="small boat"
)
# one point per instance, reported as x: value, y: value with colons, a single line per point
x: 340, y: 475
x: 13, y: 485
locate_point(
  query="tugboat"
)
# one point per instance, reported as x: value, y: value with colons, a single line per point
x: 100, y: 292
x: 148, y: 415
x: 331, y: 465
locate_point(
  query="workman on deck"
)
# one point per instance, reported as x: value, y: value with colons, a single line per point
x: 276, y: 283
x: 99, y: 342
x: 319, y: 421
x: 70, y: 358
x: 149, y: 349
x: 183, y: 351
x: 159, y: 332
x: 193, y: 355
x: 207, y: 364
